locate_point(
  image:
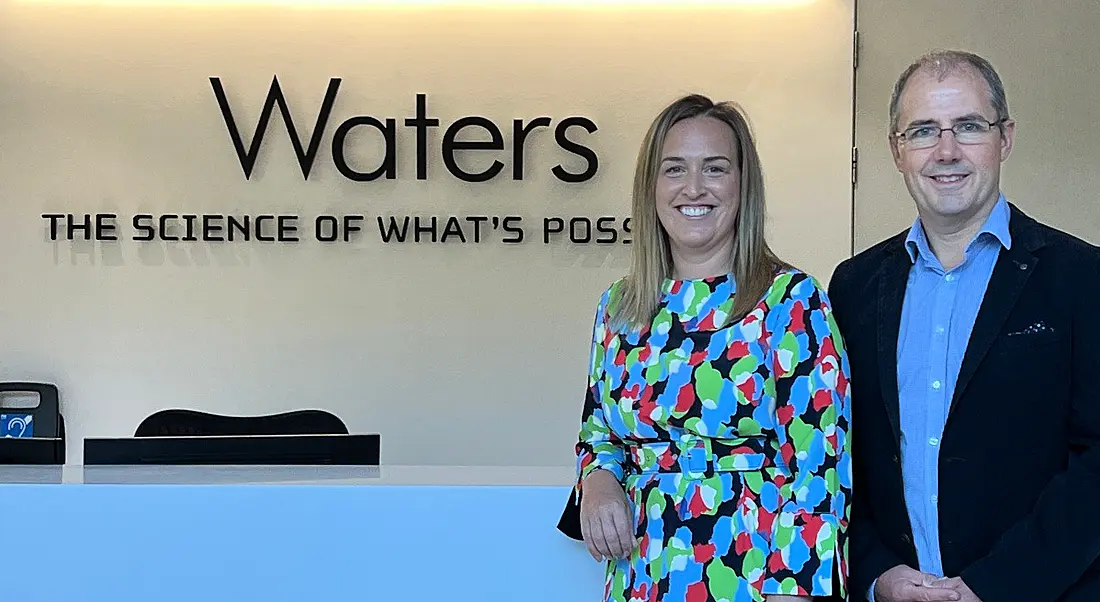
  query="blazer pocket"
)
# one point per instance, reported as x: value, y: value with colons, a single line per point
x: 1028, y: 338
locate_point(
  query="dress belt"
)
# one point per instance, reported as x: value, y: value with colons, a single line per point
x: 696, y: 457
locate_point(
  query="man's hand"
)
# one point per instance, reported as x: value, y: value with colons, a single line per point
x: 606, y: 523
x: 903, y: 584
x: 957, y: 584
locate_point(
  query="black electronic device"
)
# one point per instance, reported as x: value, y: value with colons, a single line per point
x: 31, y: 434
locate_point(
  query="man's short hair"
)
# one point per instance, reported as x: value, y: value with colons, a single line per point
x: 941, y: 63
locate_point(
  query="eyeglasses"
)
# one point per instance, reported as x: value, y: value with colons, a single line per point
x: 974, y: 131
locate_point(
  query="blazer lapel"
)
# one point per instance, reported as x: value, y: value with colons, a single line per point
x: 1010, y: 274
x: 891, y: 296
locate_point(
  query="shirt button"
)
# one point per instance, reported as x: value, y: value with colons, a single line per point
x: 949, y: 277
x: 933, y: 441
x: 936, y: 384
x: 939, y: 330
x: 935, y: 499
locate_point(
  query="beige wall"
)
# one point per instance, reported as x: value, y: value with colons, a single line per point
x: 1047, y: 54
x: 457, y: 354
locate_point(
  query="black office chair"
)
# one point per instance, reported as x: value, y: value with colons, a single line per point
x: 180, y: 422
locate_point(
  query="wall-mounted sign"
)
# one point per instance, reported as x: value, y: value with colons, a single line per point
x: 410, y: 226
x: 394, y: 133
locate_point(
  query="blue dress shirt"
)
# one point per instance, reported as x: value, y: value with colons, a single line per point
x: 936, y: 320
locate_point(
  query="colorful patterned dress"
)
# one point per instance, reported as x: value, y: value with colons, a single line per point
x: 732, y: 443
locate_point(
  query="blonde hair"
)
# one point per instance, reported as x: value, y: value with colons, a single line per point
x: 634, y: 301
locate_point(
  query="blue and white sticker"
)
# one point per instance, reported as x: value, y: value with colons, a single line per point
x: 16, y: 425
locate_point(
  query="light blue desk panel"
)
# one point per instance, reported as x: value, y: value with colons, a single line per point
x: 400, y: 534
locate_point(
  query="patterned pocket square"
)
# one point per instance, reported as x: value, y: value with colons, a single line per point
x: 1039, y: 327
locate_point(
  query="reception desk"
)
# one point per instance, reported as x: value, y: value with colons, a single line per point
x: 233, y: 534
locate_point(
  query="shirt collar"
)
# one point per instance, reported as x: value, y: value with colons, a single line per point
x: 995, y: 226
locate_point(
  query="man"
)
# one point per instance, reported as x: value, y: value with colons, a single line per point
x: 974, y: 341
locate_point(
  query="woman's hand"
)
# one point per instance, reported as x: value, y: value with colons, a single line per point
x: 606, y: 522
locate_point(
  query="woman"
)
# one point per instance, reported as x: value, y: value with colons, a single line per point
x: 713, y: 453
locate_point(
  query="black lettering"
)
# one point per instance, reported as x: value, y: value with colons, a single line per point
x: 603, y: 227
x: 101, y: 228
x: 587, y: 229
x: 288, y: 228
x: 551, y: 225
x: 205, y: 228
x: 626, y: 230
x: 350, y: 226
x: 213, y: 225
x: 164, y: 227
x: 450, y: 145
x: 389, y: 164
x: 260, y: 219
x: 72, y: 227
x: 576, y: 148
x: 419, y: 229
x: 477, y: 220
x: 53, y: 219
x: 421, y: 122
x: 306, y: 152
x: 519, y: 133
x: 516, y: 230
x: 211, y: 228
x: 453, y: 228
x: 239, y: 226
x: 258, y: 227
x: 145, y: 229
x: 326, y: 221
x: 275, y: 97
x: 105, y: 226
x: 393, y: 231
x: 189, y: 228
x: 328, y: 227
